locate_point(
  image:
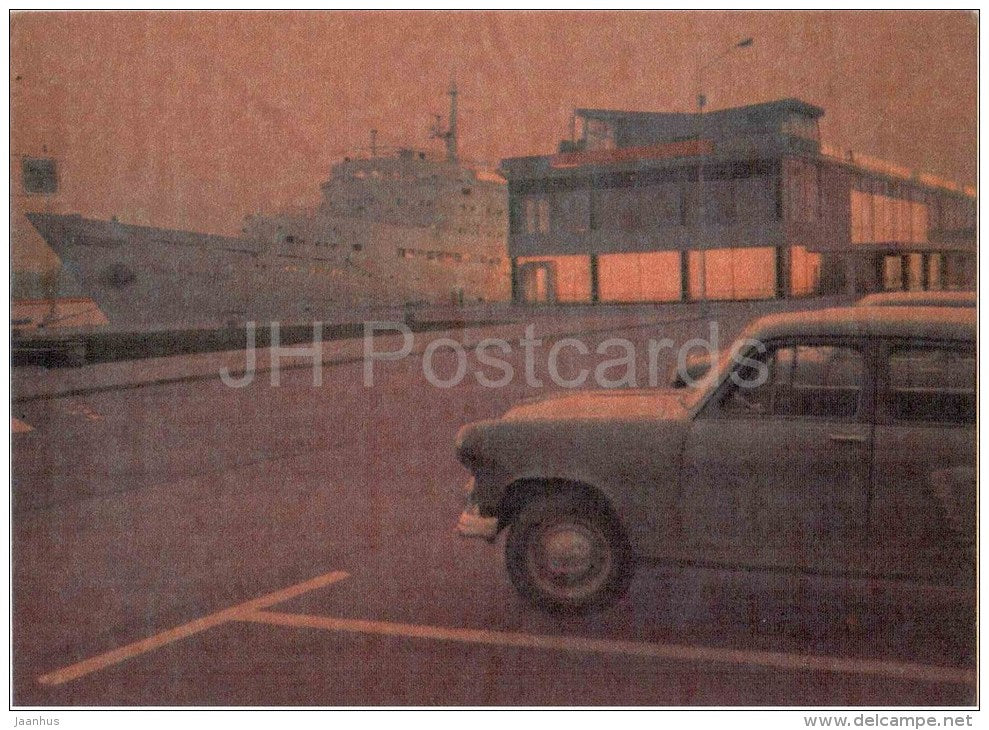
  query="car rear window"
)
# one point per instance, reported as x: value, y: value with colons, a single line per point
x: 933, y: 384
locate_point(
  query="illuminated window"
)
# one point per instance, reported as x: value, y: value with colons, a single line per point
x: 734, y: 273
x: 934, y: 271
x: 639, y: 277
x: 567, y: 278
x: 915, y: 271
x: 892, y: 273
x: 805, y: 271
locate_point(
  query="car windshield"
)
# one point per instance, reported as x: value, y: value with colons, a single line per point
x: 690, y: 397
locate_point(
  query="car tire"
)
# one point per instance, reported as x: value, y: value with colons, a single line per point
x: 566, y: 553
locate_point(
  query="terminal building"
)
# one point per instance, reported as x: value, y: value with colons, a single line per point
x: 736, y: 204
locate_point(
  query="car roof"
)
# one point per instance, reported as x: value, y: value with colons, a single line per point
x: 919, y: 299
x: 944, y: 323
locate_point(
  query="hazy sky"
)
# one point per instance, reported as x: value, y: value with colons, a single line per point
x: 194, y: 119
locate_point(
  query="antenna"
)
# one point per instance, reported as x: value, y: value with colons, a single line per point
x: 449, y: 135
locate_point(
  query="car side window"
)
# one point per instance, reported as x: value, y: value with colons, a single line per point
x: 933, y: 384
x: 804, y: 381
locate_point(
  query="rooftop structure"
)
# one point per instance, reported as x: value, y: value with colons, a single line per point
x: 741, y: 203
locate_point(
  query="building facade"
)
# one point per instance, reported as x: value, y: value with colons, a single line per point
x: 735, y: 204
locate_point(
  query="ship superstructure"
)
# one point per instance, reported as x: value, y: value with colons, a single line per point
x: 392, y: 229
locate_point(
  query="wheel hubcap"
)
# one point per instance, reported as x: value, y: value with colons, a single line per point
x: 569, y: 559
x: 568, y: 551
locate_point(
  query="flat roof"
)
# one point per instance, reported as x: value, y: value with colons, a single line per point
x: 948, y: 323
x: 919, y: 299
x: 769, y: 107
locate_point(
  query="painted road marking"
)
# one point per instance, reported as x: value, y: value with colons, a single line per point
x: 715, y: 655
x: 238, y: 612
x: 253, y: 611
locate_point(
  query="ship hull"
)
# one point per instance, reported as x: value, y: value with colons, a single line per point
x: 151, y: 278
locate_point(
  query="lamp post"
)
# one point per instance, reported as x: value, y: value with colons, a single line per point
x: 701, y: 103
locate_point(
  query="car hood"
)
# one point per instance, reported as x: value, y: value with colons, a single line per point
x: 603, y: 405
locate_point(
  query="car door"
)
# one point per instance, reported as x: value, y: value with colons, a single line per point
x: 776, y: 473
x: 923, y: 513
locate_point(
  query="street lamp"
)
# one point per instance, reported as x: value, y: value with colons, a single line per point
x: 701, y: 103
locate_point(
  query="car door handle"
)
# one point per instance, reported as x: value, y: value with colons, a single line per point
x: 847, y: 438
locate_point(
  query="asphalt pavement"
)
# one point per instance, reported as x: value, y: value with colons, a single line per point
x: 188, y: 543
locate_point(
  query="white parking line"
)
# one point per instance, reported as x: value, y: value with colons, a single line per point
x: 253, y: 611
x: 771, y: 660
x: 238, y: 612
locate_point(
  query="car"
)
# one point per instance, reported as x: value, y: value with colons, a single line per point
x: 698, y: 363
x: 840, y: 441
x: 919, y: 299
x: 695, y: 367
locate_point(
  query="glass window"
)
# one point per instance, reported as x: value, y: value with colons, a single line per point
x: 933, y: 385
x: 572, y: 211
x: 516, y: 214
x: 733, y: 273
x: 892, y: 272
x: 915, y: 271
x: 934, y: 271
x: 918, y: 222
x: 639, y: 277
x: 39, y: 175
x: 805, y: 271
x: 754, y: 198
x: 662, y: 205
x: 804, y: 381
x: 618, y: 209
x: 598, y: 135
x: 537, y: 214
x: 799, y: 125
x: 803, y: 191
x: 567, y: 278
x: 719, y: 204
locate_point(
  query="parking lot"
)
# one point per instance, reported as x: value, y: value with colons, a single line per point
x: 190, y: 543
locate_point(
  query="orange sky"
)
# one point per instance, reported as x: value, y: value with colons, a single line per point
x: 194, y: 119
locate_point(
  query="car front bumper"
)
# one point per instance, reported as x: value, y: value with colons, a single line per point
x: 472, y: 523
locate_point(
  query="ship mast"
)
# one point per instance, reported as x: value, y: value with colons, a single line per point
x: 451, y: 133
x: 449, y: 136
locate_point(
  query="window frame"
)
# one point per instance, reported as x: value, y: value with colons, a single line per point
x: 886, y: 408
x: 711, y: 409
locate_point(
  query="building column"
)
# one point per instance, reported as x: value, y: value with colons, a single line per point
x: 851, y: 275
x: 515, y: 279
x: 905, y: 272
x: 925, y: 271
x: 595, y: 290
x: 782, y: 273
x: 685, y: 276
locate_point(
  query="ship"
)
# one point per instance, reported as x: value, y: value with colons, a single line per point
x: 395, y: 229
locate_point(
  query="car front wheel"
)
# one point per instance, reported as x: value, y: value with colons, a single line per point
x: 566, y: 553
